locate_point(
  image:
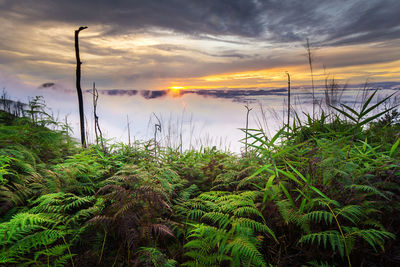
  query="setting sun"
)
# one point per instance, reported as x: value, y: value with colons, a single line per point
x: 176, y: 88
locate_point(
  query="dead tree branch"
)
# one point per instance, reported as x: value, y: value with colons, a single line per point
x: 78, y: 86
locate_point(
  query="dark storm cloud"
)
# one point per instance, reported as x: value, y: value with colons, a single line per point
x: 334, y: 22
x: 370, y: 20
x: 192, y: 17
x: 178, y: 48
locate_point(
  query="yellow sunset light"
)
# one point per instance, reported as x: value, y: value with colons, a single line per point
x: 176, y: 90
x: 176, y: 87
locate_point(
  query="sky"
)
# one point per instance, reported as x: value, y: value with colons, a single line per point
x: 197, y: 44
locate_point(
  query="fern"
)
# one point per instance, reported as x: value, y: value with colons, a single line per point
x: 28, y: 232
x: 246, y: 211
x: 221, y: 219
x: 332, y: 237
x: 367, y: 189
x: 244, y: 251
x: 318, y: 216
x: 229, y: 223
x: 352, y: 213
x: 319, y: 264
x: 44, y: 229
x: 153, y: 256
x: 372, y: 236
x: 243, y: 223
x: 323, y: 188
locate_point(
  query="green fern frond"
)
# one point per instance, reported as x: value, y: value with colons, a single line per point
x: 185, y: 194
x: 372, y: 236
x: 367, y: 189
x: 57, y: 250
x: 213, y: 195
x: 85, y: 214
x: 153, y: 256
x: 201, y: 260
x: 6, y: 257
x: 291, y: 215
x: 319, y: 215
x: 195, y: 214
x: 221, y: 219
x: 319, y: 264
x: 331, y: 236
x: 63, y: 260
x: 243, y: 249
x: 247, y: 212
x: 351, y: 212
x: 24, y: 219
x: 239, y: 223
x: 36, y: 240
x: 374, y: 223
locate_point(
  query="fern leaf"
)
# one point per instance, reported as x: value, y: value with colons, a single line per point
x: 367, y: 189
x: 223, y: 220
x: 239, y: 223
x: 246, y: 249
x: 320, y: 215
x: 332, y: 236
x: 247, y: 212
x: 372, y: 236
x: 351, y: 212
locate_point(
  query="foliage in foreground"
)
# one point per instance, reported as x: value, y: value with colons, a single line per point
x: 319, y: 193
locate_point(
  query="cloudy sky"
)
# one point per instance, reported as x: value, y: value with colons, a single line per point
x: 157, y: 44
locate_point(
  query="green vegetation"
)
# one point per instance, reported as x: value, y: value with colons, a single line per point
x: 324, y: 192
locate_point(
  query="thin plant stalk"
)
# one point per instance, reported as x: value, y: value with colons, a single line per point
x: 69, y: 251
x: 157, y: 127
x: 288, y: 113
x: 341, y: 233
x: 97, y: 129
x: 129, y: 130
x: 247, y: 126
x: 102, y: 247
x: 309, y: 55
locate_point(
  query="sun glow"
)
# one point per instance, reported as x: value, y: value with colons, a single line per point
x: 175, y: 90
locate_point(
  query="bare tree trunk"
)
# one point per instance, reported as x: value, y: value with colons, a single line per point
x: 95, y: 96
x: 78, y: 86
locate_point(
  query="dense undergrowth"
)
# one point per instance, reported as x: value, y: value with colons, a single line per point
x: 325, y: 192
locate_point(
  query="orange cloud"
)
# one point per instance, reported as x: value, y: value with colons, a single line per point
x: 300, y: 76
